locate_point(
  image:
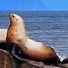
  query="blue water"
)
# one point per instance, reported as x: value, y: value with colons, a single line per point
x: 48, y: 27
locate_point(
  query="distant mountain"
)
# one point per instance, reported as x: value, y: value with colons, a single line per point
x: 25, y: 5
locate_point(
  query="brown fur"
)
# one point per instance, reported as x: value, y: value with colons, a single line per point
x: 41, y: 53
x: 46, y: 54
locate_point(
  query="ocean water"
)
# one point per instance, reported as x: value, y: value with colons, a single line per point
x: 48, y: 27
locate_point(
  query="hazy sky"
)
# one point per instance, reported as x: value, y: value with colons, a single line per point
x: 56, y: 4
x: 34, y: 5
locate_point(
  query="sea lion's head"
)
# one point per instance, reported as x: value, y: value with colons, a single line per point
x: 16, y: 31
x: 15, y: 18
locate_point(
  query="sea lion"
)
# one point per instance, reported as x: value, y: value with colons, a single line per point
x: 32, y: 49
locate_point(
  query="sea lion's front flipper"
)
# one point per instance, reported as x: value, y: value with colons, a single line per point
x: 16, y: 52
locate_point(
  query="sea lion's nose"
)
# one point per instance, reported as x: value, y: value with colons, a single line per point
x: 11, y: 15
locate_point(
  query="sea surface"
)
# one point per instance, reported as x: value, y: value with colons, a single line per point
x: 48, y: 27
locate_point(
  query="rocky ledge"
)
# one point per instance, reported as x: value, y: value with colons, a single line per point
x: 8, y: 61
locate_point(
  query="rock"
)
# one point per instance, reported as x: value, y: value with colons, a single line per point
x: 46, y: 66
x: 34, y: 64
x: 27, y: 65
x: 3, y: 45
x: 65, y: 65
x: 3, y: 34
x: 15, y: 63
x: 31, y: 64
x: 5, y: 59
x: 65, y: 61
x: 3, y: 50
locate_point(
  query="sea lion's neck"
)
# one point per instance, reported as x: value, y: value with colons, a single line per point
x: 19, y: 33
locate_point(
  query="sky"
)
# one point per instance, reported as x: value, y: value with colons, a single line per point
x: 34, y: 5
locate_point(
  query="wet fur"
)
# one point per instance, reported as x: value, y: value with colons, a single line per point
x: 32, y: 49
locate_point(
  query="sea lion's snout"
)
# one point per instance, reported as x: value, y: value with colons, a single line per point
x: 11, y: 15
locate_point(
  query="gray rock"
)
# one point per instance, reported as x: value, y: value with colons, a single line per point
x: 5, y: 59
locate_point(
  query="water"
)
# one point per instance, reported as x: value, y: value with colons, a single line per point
x: 50, y: 28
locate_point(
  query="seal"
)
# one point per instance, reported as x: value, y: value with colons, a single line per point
x: 32, y: 49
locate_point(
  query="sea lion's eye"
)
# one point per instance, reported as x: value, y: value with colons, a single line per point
x: 13, y: 16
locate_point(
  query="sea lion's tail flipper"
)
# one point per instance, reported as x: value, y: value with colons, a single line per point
x: 16, y: 52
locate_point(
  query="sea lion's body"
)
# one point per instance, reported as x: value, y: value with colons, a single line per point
x: 32, y: 49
